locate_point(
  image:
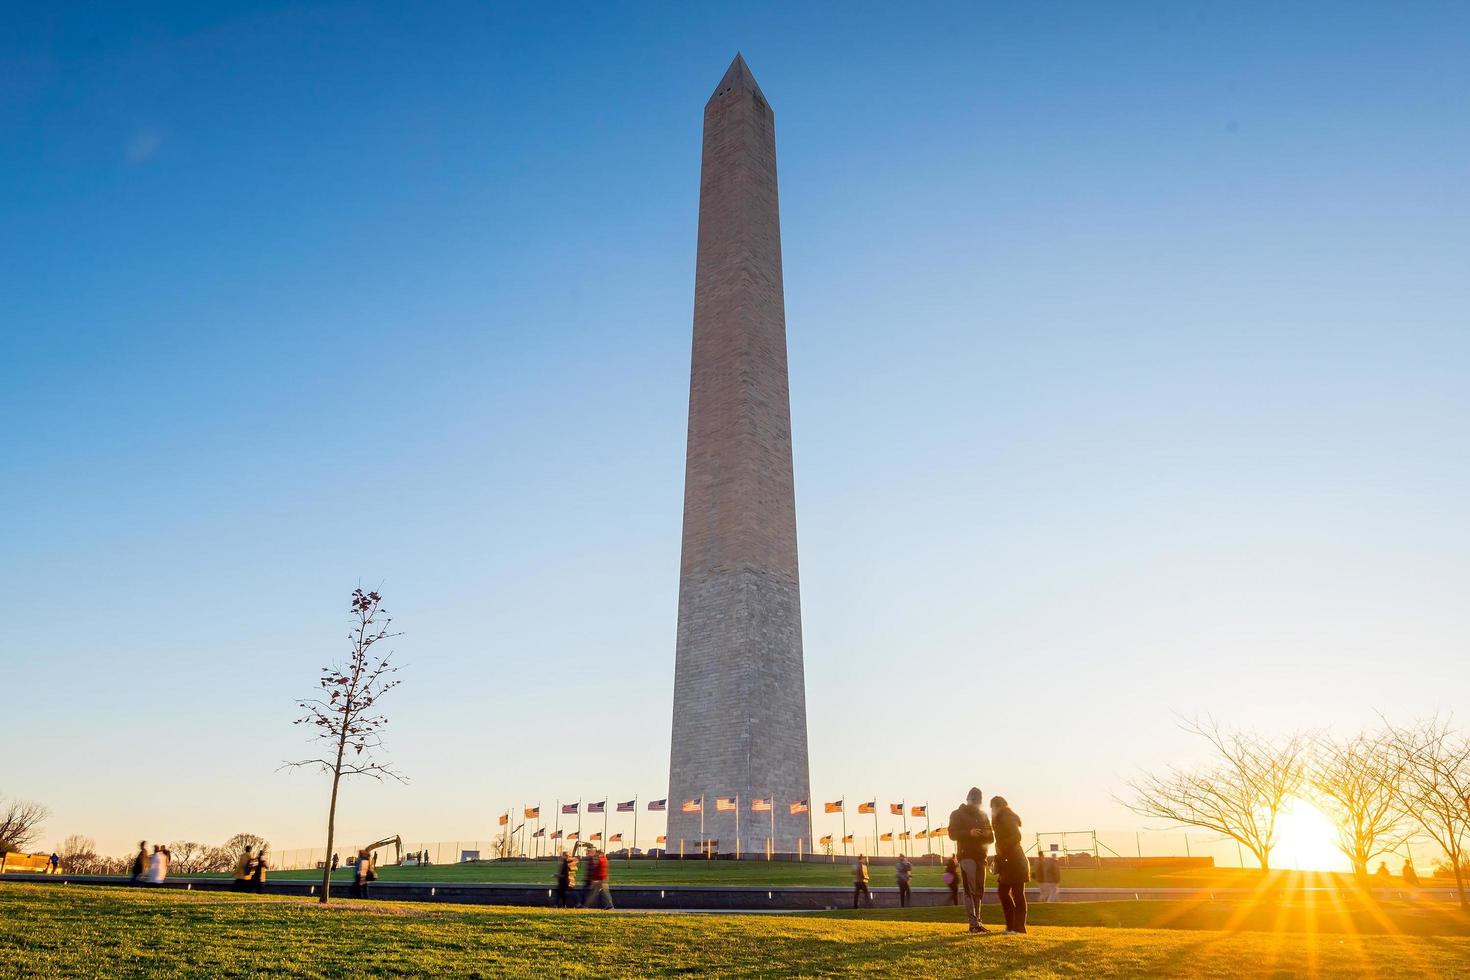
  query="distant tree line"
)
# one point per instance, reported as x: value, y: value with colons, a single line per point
x: 79, y: 856
x: 1379, y: 788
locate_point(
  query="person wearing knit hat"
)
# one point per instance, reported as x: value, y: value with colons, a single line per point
x: 969, y: 828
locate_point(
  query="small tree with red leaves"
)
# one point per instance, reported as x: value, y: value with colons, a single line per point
x: 342, y: 717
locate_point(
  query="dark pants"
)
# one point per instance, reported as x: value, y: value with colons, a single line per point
x: 563, y: 894
x: 954, y: 890
x: 359, y: 888
x: 860, y: 890
x: 240, y: 884
x: 1013, y: 903
x: 903, y: 894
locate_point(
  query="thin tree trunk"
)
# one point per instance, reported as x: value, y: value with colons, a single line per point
x: 331, y: 827
x: 1460, y: 883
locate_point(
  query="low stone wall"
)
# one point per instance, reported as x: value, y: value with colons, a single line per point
x: 672, y: 898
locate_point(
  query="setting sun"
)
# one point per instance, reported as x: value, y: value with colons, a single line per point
x: 1307, y: 840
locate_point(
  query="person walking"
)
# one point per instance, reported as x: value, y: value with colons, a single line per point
x: 335, y: 862
x: 904, y: 871
x: 597, y: 886
x: 952, y: 878
x: 860, y: 882
x: 242, y: 870
x: 55, y: 862
x: 157, y: 865
x: 140, y: 863
x: 362, y: 874
x: 970, y: 830
x: 1012, y: 869
x: 1050, y: 874
x: 257, y: 872
x: 566, y: 879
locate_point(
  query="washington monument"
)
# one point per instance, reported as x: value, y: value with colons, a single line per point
x: 739, y: 691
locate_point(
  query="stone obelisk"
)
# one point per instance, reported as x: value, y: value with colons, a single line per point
x: 739, y: 691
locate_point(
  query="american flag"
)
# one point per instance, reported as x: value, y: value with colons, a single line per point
x: 572, y: 835
x: 904, y: 835
x: 628, y: 807
x: 825, y: 840
x: 540, y: 833
x: 800, y: 806
x: 661, y: 839
x: 896, y: 809
x: 888, y: 836
x: 504, y: 819
x: 658, y: 806
x: 596, y: 836
x: 694, y: 806
x: 615, y: 838
x: 868, y: 807
x: 597, y: 807
x: 569, y: 807
x: 847, y: 839
x: 724, y: 803
x: 761, y: 806
x: 556, y: 835
x: 919, y: 811
x: 835, y: 806
x: 533, y: 813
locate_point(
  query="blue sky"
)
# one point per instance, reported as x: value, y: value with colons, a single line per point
x: 1128, y: 354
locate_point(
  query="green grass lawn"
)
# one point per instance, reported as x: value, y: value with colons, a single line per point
x: 815, y: 872
x: 51, y: 930
x: 1338, y: 914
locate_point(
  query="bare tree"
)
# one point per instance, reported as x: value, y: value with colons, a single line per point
x: 187, y: 857
x: 239, y: 842
x: 20, y: 824
x: 78, y: 855
x: 1355, y: 783
x: 1434, y: 787
x: 342, y: 717
x: 1239, y: 794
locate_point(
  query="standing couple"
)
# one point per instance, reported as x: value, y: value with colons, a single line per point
x: 973, y: 832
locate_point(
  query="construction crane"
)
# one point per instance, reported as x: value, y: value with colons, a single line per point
x: 397, y: 843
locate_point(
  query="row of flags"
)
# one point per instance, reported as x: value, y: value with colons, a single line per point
x: 594, y: 838
x: 534, y: 812
x: 902, y: 835
x: 727, y: 804
x: 918, y: 810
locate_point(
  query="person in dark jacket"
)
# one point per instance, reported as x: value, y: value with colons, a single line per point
x: 952, y: 879
x: 566, y: 880
x: 140, y: 862
x: 969, y: 828
x: 1051, y: 878
x: 258, y: 870
x: 1011, y: 867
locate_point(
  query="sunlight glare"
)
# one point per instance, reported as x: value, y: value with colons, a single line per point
x: 1307, y: 840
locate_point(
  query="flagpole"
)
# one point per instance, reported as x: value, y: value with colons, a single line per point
x: 905, y: 819
x: 877, y: 837
x: 737, y: 826
x: 844, y: 826
x: 604, y: 822
x: 635, y: 828
x: 702, y: 846
x: 771, y: 851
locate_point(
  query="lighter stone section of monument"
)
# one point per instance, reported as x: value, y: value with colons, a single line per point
x: 739, y: 691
